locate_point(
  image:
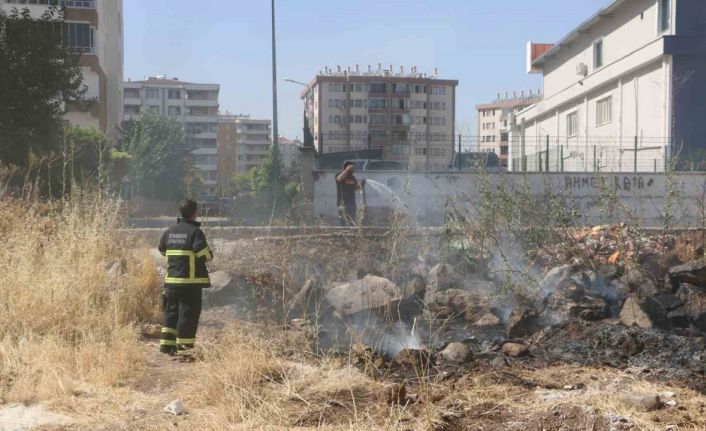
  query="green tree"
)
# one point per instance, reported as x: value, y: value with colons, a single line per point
x: 39, y: 77
x: 160, y: 164
x: 266, y: 177
x: 242, y: 181
x: 85, y: 154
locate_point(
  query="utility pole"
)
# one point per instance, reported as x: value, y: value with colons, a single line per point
x: 275, y: 130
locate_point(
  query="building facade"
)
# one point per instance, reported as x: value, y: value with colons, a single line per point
x: 289, y: 151
x: 494, y: 119
x: 254, y: 138
x: 195, y: 106
x: 410, y: 116
x: 227, y: 153
x: 95, y: 28
x: 623, y: 91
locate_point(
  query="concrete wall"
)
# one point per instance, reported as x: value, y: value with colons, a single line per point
x: 425, y: 196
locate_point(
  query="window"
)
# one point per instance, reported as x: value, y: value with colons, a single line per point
x: 598, y: 54
x: 174, y: 110
x: 200, y: 111
x: 377, y: 119
x: 438, y: 90
x: 403, y: 120
x: 572, y: 124
x: 664, y: 15
x: 131, y: 93
x: 153, y: 93
x: 132, y: 110
x: 604, y: 111
x: 79, y: 36
x: 174, y: 94
x: 377, y: 87
x: 358, y: 103
x: 400, y: 88
x: 378, y: 134
x: 377, y: 103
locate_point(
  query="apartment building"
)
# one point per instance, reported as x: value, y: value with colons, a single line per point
x: 494, y: 119
x: 193, y: 105
x: 227, y: 152
x: 95, y: 29
x: 288, y: 151
x: 246, y: 140
x: 410, y: 116
x: 622, y: 92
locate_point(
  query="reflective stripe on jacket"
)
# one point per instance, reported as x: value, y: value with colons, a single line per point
x: 187, y: 252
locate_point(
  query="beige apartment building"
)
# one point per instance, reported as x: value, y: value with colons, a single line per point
x: 95, y: 28
x: 246, y: 139
x: 193, y: 105
x: 410, y: 116
x: 494, y: 119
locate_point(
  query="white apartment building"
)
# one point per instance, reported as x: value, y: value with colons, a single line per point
x: 410, y: 116
x: 288, y: 151
x: 193, y: 105
x: 95, y: 28
x: 494, y: 121
x: 621, y: 91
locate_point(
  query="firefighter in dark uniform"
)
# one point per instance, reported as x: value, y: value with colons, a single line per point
x: 187, y: 252
x: 346, y: 186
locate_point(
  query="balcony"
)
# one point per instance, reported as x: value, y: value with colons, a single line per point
x: 79, y: 4
x: 132, y: 101
x: 201, y: 102
x: 210, y: 118
x: 76, y: 4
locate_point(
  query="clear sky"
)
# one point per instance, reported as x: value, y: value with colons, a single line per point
x: 479, y: 42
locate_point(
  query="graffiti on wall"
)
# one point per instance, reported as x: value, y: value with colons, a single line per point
x: 625, y: 183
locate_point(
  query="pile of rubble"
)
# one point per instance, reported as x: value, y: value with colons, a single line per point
x: 645, y: 308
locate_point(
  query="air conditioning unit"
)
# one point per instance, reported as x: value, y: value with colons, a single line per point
x: 582, y: 69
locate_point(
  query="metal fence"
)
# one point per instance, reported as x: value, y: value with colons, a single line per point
x: 432, y: 151
x: 595, y: 154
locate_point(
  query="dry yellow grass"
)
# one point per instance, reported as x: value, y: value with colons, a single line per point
x: 66, y: 321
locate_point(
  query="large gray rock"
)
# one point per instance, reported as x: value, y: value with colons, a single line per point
x: 515, y: 350
x: 642, y: 403
x: 17, y: 417
x: 693, y: 298
x: 441, y: 277
x: 645, y: 313
x: 553, y: 278
x: 523, y: 321
x: 368, y: 293
x: 454, y: 354
x: 640, y: 282
x: 669, y: 301
x: 219, y: 281
x: 450, y: 302
x: 571, y: 300
x: 693, y: 272
x: 692, y: 310
x: 488, y: 320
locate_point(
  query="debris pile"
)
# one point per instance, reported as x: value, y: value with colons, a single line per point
x: 611, y: 296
